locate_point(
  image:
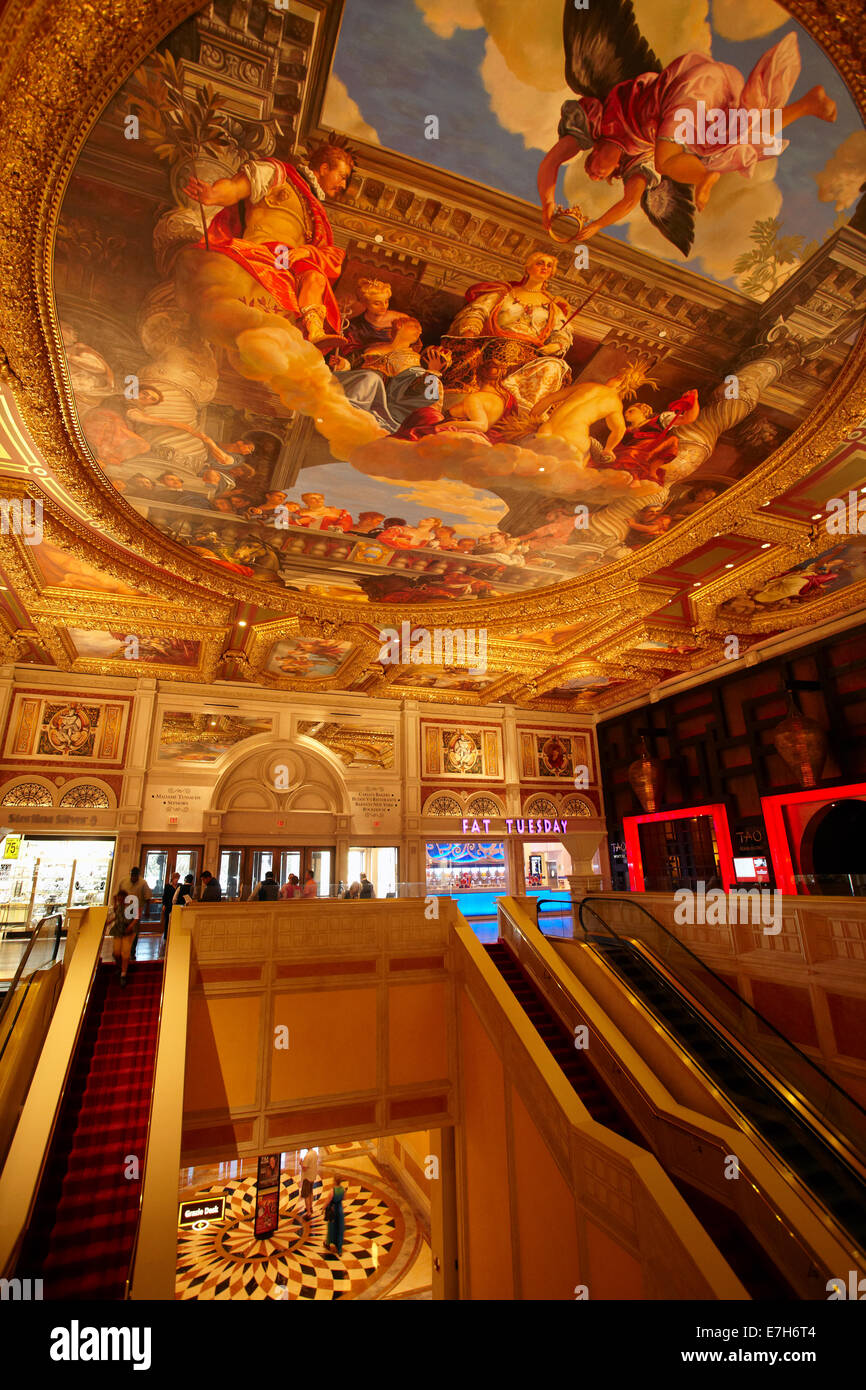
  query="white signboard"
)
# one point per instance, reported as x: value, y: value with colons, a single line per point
x: 176, y: 808
x: 375, y: 809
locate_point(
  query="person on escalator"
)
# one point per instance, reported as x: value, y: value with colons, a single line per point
x: 122, y: 920
x: 136, y: 887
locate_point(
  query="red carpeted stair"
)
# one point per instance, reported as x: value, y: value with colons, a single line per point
x: 81, y: 1235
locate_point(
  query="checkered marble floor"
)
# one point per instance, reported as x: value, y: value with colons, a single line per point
x: 228, y: 1261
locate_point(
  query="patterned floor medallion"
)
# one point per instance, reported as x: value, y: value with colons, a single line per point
x: 227, y: 1261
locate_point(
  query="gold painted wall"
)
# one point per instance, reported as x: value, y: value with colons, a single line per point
x: 545, y: 1212
x: 418, y: 1032
x: 332, y: 1043
x: 485, y: 1187
x: 315, y: 1020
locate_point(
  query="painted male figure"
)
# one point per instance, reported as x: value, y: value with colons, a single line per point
x: 271, y: 245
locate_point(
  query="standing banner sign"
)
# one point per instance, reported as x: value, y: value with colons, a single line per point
x: 268, y: 1194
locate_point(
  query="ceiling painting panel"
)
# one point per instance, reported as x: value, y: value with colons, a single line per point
x: 487, y: 329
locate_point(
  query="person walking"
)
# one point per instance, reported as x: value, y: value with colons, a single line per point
x: 185, y: 891
x: 309, y: 1173
x: 136, y: 887
x: 210, y: 888
x: 311, y: 889
x: 269, y: 889
x: 168, y: 894
x: 122, y: 921
x: 291, y: 888
x: 336, y: 1219
x: 366, y: 888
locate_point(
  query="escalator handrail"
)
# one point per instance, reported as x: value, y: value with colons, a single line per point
x: 703, y: 965
x: 16, y: 978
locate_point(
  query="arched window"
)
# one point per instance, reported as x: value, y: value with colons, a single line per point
x: 86, y: 797
x: 576, y: 806
x: 443, y: 806
x: 28, y: 794
x: 483, y: 806
x: 541, y: 806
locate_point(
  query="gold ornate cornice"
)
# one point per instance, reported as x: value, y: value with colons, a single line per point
x: 59, y: 65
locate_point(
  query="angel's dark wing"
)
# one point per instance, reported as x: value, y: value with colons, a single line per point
x: 670, y: 206
x: 603, y: 46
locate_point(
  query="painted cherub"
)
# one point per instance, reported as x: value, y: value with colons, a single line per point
x: 575, y: 409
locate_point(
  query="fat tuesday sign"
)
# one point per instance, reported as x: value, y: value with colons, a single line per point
x: 531, y: 826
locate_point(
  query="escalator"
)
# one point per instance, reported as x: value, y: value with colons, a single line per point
x: 767, y: 1079
x: 730, y: 1235
x: 82, y: 1230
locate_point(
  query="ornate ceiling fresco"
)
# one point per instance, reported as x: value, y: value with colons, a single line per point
x: 305, y: 344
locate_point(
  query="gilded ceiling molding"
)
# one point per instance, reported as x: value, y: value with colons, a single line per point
x: 59, y: 66
x: 59, y: 645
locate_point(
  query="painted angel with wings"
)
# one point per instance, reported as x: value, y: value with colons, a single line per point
x: 667, y: 134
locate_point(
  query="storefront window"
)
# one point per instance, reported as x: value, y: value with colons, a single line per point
x: 50, y: 874
x: 470, y: 867
x: 546, y: 866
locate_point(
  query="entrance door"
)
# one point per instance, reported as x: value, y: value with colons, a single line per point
x: 833, y: 849
x: 243, y: 867
x: 379, y: 863
x: 159, y: 863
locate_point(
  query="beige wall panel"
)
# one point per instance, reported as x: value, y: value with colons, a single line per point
x: 219, y: 1073
x: 546, y: 1219
x: 417, y: 1032
x: 486, y: 1178
x: 332, y: 1044
x: 614, y: 1273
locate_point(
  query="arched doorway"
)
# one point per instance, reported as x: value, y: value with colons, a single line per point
x: 833, y: 849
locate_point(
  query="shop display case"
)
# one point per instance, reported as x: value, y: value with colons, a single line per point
x: 466, y: 867
x: 51, y: 875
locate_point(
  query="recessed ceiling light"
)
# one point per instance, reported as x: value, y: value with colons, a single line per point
x: 378, y: 237
x: 816, y: 516
x: 730, y: 565
x: 766, y: 545
x: 697, y: 584
x: 242, y: 623
x: 767, y: 503
x: 541, y: 470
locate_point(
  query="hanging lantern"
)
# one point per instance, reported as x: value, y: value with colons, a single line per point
x: 802, y: 744
x: 646, y: 776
